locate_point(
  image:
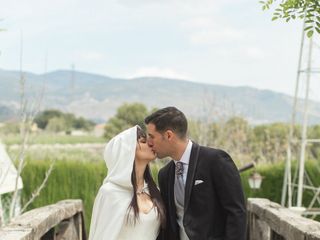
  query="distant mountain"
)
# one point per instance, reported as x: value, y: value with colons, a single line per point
x: 6, y: 113
x: 97, y: 97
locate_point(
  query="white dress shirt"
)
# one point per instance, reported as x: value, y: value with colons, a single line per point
x: 185, y: 160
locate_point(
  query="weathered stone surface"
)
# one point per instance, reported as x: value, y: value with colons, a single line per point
x: 35, y: 223
x: 261, y: 228
x: 313, y: 236
x: 282, y: 221
x: 68, y: 231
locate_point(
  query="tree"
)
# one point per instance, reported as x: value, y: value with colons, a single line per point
x: 43, y: 118
x: 127, y: 115
x: 269, y: 142
x: 56, y: 124
x: 27, y: 115
x: 56, y: 117
x: 293, y: 9
x: 81, y: 123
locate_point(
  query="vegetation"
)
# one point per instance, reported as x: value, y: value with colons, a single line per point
x: 50, y: 138
x: 127, y: 115
x: 78, y: 173
x: 68, y: 180
x: 74, y: 179
x: 57, y: 121
x: 265, y: 143
x: 294, y: 9
x: 79, y: 154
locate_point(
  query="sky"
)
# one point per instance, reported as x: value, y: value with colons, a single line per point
x: 226, y: 42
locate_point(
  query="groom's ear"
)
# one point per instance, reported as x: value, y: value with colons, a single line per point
x: 169, y: 134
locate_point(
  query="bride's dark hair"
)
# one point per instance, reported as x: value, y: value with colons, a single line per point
x: 153, y: 190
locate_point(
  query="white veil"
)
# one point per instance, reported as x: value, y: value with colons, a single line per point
x: 115, y: 194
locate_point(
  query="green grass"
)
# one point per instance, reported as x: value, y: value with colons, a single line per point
x: 66, y: 154
x: 81, y: 179
x: 69, y: 180
x: 47, y: 138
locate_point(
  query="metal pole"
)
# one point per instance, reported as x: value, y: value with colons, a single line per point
x: 287, y: 175
x: 304, y: 130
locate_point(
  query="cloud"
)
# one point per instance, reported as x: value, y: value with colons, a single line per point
x: 158, y: 72
x: 89, y: 56
x: 216, y: 35
x: 210, y: 30
x: 254, y: 52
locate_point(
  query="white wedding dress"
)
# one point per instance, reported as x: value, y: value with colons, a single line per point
x: 146, y: 228
x: 109, y: 214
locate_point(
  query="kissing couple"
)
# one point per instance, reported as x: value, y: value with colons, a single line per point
x: 199, y: 194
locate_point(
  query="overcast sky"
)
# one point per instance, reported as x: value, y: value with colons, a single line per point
x: 228, y: 42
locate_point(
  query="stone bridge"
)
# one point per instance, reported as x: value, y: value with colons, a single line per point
x: 266, y: 221
x: 63, y: 220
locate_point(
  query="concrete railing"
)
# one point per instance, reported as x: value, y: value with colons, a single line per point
x: 270, y: 221
x: 63, y: 220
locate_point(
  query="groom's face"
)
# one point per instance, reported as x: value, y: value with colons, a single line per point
x: 157, y: 141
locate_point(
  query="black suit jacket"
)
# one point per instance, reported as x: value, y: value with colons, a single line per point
x: 214, y: 209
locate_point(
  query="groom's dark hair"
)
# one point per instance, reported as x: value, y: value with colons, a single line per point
x: 169, y: 118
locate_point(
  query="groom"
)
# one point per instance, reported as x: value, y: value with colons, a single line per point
x: 200, y: 187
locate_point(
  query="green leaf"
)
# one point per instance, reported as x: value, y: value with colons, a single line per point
x: 314, y: 7
x: 318, y: 30
x: 274, y: 18
x: 309, y: 21
x: 308, y: 28
x: 310, y: 11
x: 310, y: 33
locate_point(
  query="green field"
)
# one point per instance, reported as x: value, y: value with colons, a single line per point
x: 47, y: 138
x: 82, y: 179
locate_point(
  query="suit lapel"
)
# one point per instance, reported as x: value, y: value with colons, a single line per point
x: 193, y: 162
x: 172, y: 205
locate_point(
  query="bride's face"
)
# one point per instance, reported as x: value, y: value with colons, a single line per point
x: 143, y: 151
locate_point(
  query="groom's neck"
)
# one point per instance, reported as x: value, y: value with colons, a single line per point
x: 179, y: 148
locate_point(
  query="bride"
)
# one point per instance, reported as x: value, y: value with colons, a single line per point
x: 128, y: 204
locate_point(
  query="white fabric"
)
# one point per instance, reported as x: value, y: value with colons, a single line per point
x: 8, y: 173
x: 185, y: 159
x: 146, y: 228
x: 115, y: 194
x: 110, y: 208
